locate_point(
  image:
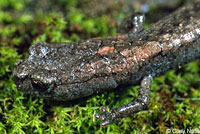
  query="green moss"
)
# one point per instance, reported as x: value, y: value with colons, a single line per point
x: 170, y: 104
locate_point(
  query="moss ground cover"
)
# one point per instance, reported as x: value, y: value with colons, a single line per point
x: 175, y: 96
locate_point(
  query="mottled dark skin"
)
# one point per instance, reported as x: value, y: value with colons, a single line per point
x: 67, y: 71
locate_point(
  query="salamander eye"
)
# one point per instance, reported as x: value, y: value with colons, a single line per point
x: 39, y: 85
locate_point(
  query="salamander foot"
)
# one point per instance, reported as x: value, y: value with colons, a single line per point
x: 140, y: 104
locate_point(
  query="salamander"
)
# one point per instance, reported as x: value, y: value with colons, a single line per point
x: 66, y: 71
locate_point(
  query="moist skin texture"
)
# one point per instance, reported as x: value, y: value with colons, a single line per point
x: 66, y: 71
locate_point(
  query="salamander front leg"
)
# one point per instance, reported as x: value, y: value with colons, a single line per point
x: 127, y: 110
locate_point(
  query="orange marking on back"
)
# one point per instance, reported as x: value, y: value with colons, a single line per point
x: 106, y: 50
